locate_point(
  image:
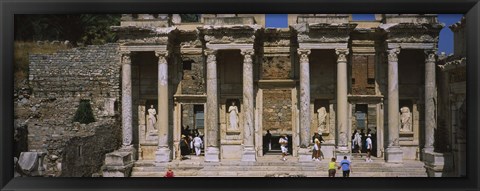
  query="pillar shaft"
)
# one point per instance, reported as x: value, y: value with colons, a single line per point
x: 342, y: 101
x: 430, y: 98
x: 162, y: 123
x: 248, y: 121
x: 304, y: 97
x: 163, y: 153
x: 212, y: 149
x: 126, y: 99
x: 393, y: 105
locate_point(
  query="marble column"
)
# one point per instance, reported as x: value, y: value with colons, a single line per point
x: 163, y: 153
x: 127, y: 127
x: 393, y: 153
x: 212, y: 152
x: 127, y: 132
x: 304, y: 152
x: 342, y: 103
x: 248, y: 129
x: 430, y: 99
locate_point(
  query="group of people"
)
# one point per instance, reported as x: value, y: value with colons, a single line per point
x: 362, y: 143
x: 191, y: 142
x: 345, y: 165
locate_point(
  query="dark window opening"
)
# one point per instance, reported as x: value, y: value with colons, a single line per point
x: 187, y: 65
x: 190, y: 18
x: 353, y: 80
x: 371, y: 80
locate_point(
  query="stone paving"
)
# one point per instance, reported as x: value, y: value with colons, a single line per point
x: 272, y: 166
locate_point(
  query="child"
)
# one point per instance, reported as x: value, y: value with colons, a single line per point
x: 332, y: 165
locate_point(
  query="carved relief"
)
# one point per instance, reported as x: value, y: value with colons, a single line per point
x: 405, y: 119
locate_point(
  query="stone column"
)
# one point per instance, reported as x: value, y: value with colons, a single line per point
x: 430, y: 99
x: 248, y: 121
x: 163, y: 153
x: 393, y: 153
x: 212, y: 152
x: 304, y: 152
x: 127, y: 132
x: 342, y: 103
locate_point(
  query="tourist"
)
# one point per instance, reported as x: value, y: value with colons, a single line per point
x: 316, y: 150
x: 316, y: 135
x: 346, y: 167
x: 197, y: 143
x: 184, y: 149
x: 268, y: 138
x: 169, y: 173
x: 332, y: 166
x: 369, y: 148
x: 364, y: 138
x: 284, y: 146
x: 357, y: 140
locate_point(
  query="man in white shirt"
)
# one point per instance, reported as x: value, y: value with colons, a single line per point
x: 197, y: 143
x: 369, y: 148
x: 284, y: 146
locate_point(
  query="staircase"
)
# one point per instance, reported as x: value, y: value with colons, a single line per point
x: 272, y: 166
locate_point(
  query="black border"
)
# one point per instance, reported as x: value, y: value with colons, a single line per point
x: 10, y: 7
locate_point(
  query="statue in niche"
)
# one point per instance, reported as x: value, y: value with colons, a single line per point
x: 322, y: 119
x: 151, y: 118
x: 406, y: 119
x: 233, y: 112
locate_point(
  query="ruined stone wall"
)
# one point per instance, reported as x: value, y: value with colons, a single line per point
x: 58, y: 83
x: 193, y: 81
x: 279, y: 67
x: 88, y: 71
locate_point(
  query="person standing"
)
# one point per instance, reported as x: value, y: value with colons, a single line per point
x: 169, y: 173
x: 369, y: 148
x: 316, y: 150
x: 358, y: 141
x: 197, y: 143
x: 316, y: 135
x: 284, y: 146
x: 268, y: 138
x: 332, y: 166
x: 184, y: 149
x: 346, y: 167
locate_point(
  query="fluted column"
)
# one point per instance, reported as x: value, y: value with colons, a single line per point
x: 430, y: 99
x: 127, y: 132
x: 163, y: 153
x: 393, y: 153
x: 304, y: 152
x: 342, y: 101
x: 212, y: 152
x: 248, y: 129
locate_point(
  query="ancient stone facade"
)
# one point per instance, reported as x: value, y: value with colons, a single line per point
x: 325, y: 73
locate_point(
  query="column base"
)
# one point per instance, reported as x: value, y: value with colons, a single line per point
x: 437, y: 164
x: 394, y: 155
x: 249, y: 154
x: 129, y: 149
x: 304, y: 155
x: 212, y: 154
x: 162, y: 155
x: 341, y: 152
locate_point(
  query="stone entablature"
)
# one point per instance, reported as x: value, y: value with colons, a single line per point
x: 410, y: 18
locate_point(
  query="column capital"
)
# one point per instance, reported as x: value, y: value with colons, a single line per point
x: 393, y: 54
x: 430, y: 55
x: 208, y: 52
x: 246, y: 52
x: 126, y: 56
x: 304, y: 51
x: 342, y: 54
x: 161, y: 53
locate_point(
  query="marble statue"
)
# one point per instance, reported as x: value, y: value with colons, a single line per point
x: 406, y: 119
x: 322, y: 119
x: 233, y: 110
x: 151, y: 118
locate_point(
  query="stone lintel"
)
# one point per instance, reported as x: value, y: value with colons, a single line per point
x: 191, y: 51
x: 276, y: 51
x: 190, y: 98
x: 229, y: 46
x: 392, y: 45
x: 276, y: 83
x: 323, y: 45
x: 143, y: 48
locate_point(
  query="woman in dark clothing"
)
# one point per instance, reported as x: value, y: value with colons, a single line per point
x: 184, y: 147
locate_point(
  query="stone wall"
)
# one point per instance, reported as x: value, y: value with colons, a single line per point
x: 278, y: 67
x: 58, y: 82
x: 88, y: 71
x: 277, y: 110
x: 193, y: 81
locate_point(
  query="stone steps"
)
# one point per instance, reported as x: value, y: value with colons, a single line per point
x: 275, y: 168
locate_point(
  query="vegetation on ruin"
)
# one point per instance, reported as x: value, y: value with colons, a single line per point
x: 84, y: 113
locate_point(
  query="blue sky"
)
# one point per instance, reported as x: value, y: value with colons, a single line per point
x: 445, y: 41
